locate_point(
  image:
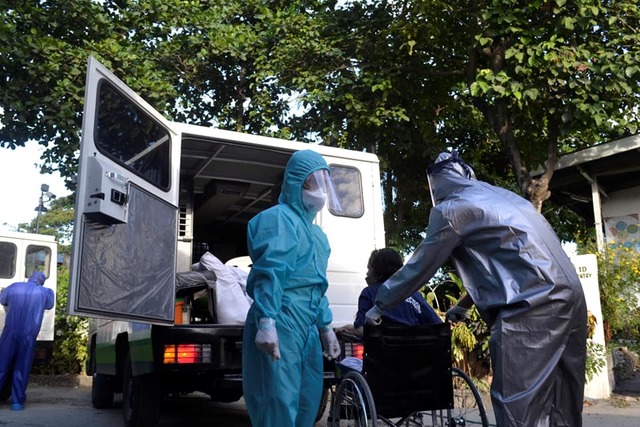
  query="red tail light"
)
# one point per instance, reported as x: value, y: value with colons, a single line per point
x: 187, y: 353
x: 352, y: 349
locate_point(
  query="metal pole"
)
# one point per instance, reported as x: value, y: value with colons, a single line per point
x: 39, y: 211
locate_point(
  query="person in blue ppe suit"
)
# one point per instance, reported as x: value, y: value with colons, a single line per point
x: 523, y: 283
x: 289, y: 321
x: 25, y: 303
x: 412, y: 311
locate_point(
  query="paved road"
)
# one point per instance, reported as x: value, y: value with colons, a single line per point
x: 68, y: 404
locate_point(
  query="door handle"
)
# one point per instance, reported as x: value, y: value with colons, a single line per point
x: 117, y: 177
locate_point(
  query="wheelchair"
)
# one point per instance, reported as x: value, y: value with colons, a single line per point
x: 406, y: 380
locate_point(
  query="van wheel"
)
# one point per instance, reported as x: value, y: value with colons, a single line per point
x: 5, y: 391
x: 140, y: 398
x: 101, y: 387
x: 101, y: 391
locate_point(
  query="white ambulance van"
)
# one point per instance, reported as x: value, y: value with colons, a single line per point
x: 152, y: 197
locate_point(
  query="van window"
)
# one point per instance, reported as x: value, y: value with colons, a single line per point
x: 8, y: 253
x: 130, y: 137
x: 38, y: 258
x: 348, y: 182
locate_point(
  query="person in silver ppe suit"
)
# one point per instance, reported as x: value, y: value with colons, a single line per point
x: 289, y: 320
x: 515, y: 271
x: 25, y: 303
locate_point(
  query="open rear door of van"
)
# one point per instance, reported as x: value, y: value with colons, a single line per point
x: 126, y: 211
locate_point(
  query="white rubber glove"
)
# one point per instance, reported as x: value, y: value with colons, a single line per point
x: 373, y: 316
x: 330, y: 343
x: 456, y: 314
x: 267, y: 338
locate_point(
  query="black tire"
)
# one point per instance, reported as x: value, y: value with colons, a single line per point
x: 352, y: 403
x: 468, y: 408
x: 141, y: 398
x: 5, y: 391
x: 101, y: 387
x: 102, y: 391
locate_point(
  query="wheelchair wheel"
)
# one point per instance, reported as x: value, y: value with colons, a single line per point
x: 468, y: 409
x: 352, y: 404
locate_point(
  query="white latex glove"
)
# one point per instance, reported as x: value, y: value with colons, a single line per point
x: 373, y: 316
x: 456, y: 314
x: 330, y: 343
x: 267, y: 338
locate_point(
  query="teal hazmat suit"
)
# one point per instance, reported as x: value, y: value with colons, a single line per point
x: 288, y: 284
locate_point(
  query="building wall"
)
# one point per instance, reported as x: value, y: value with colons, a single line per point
x: 621, y: 215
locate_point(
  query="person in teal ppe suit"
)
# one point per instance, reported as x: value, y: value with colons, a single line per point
x: 25, y: 303
x: 288, y: 323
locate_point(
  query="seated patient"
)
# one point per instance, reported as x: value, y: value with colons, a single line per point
x: 413, y: 311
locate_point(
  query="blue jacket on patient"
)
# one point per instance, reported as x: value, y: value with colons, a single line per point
x: 413, y: 311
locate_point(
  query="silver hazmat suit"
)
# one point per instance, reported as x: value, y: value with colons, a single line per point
x: 513, y: 266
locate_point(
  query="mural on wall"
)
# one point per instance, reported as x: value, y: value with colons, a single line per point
x: 624, y: 230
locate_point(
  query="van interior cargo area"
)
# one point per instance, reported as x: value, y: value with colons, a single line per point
x: 223, y: 185
x: 198, y: 289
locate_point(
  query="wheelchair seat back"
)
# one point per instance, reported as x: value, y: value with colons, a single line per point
x: 408, y: 368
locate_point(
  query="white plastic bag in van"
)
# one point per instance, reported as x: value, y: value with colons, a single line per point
x: 232, y: 304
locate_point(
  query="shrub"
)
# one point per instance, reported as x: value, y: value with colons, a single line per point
x: 619, y: 283
x: 469, y: 339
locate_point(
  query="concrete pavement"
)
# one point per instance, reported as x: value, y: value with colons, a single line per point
x: 622, y: 409
x: 56, y: 402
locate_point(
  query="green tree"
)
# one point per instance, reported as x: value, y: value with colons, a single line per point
x: 56, y: 221
x: 202, y: 62
x: 553, y: 76
x: 511, y: 84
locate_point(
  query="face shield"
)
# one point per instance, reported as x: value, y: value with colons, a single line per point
x: 317, y: 189
x: 431, y: 184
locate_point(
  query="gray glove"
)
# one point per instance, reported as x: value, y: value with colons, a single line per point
x: 373, y: 316
x: 456, y: 314
x: 267, y: 338
x: 330, y: 343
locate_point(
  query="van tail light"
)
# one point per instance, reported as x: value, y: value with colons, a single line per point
x: 187, y: 353
x: 353, y: 349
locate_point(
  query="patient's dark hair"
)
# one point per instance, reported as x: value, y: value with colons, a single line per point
x: 384, y: 262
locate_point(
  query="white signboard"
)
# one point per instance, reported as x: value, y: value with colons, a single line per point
x: 587, y: 268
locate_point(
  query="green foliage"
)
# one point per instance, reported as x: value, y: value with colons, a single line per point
x: 596, y: 359
x: 56, y: 221
x: 71, y: 332
x: 619, y: 282
x: 469, y: 339
x: 510, y: 87
x: 596, y: 353
x: 462, y: 342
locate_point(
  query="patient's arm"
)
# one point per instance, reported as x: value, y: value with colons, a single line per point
x: 350, y: 331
